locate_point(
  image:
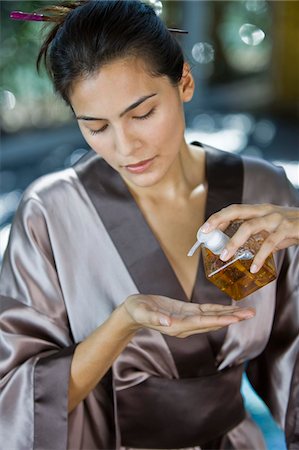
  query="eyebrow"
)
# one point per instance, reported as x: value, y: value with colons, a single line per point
x: 129, y: 108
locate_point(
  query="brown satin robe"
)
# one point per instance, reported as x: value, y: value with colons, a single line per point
x: 79, y: 246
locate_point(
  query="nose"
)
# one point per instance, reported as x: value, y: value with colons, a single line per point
x: 126, y: 143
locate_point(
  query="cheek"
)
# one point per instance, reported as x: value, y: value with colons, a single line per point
x: 87, y: 136
x: 99, y: 145
x: 170, y: 127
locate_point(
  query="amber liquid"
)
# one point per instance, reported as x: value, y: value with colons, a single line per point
x: 234, y: 276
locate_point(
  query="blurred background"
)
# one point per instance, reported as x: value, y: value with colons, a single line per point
x: 244, y: 56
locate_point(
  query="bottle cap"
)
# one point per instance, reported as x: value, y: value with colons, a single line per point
x: 214, y: 240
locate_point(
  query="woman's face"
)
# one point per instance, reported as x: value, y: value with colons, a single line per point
x: 131, y: 119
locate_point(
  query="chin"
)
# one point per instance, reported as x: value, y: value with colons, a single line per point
x: 145, y: 180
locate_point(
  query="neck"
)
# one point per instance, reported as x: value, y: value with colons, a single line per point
x: 182, y: 178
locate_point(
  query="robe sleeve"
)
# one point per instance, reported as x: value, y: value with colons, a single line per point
x: 274, y: 372
x: 36, y: 342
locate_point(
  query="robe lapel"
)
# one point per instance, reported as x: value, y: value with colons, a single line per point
x: 129, y: 231
x: 224, y: 173
x: 197, y: 355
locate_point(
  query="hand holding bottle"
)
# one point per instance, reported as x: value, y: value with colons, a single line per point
x: 281, y: 224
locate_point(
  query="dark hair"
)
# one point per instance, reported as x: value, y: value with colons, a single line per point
x: 89, y: 34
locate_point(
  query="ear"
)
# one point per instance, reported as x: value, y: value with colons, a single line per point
x: 186, y: 84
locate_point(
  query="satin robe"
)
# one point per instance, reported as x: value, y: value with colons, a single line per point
x: 79, y: 245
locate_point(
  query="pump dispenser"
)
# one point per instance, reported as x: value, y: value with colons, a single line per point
x: 233, y: 276
x: 215, y: 241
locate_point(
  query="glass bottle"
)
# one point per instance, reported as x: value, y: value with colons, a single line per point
x: 233, y: 276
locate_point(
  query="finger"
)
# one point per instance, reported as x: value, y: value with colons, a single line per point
x: 225, y: 322
x: 202, y: 330
x: 208, y: 321
x: 213, y: 308
x: 241, y: 314
x: 181, y: 328
x: 270, y: 245
x: 198, y: 324
x: 247, y: 229
x: 223, y: 226
x: 211, y: 328
x: 234, y: 212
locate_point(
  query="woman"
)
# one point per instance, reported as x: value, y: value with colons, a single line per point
x: 96, y: 283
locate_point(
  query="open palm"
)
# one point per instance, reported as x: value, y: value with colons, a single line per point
x: 179, y: 318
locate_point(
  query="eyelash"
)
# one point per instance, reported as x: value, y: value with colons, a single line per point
x: 146, y: 116
x: 94, y: 132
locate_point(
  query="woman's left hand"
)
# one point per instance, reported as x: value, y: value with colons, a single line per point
x: 281, y: 223
x: 179, y: 318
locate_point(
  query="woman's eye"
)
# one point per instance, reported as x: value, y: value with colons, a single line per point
x: 145, y: 116
x: 101, y: 130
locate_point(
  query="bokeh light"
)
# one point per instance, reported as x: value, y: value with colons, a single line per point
x: 8, y: 100
x: 251, y: 35
x: 256, y: 6
x: 157, y: 5
x: 203, y: 52
x: 264, y: 132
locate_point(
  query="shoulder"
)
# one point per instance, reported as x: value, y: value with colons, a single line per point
x: 58, y: 197
x: 267, y: 182
x: 57, y: 187
x: 261, y: 167
x: 46, y: 197
x: 263, y: 181
x: 251, y: 165
x: 51, y: 186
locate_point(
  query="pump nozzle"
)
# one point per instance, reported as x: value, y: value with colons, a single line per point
x: 194, y: 248
x: 215, y: 241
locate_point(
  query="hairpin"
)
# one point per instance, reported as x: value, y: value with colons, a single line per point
x: 176, y: 30
x: 36, y: 17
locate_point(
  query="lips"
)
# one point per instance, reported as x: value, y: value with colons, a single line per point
x: 140, y: 167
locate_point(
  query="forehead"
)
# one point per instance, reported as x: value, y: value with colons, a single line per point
x: 115, y: 85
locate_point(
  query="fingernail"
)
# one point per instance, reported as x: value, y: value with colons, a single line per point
x: 164, y: 322
x: 205, y: 227
x: 253, y: 268
x: 248, y: 315
x: 244, y: 314
x: 223, y: 255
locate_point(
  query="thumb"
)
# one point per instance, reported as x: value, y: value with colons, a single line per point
x: 164, y: 321
x: 157, y: 318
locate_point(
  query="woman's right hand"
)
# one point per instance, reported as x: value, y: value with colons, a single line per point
x: 179, y: 318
